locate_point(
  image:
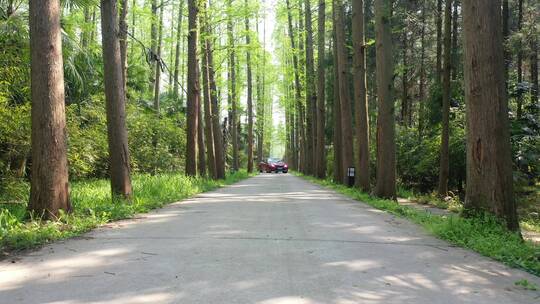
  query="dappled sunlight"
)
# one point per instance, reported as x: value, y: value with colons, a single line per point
x: 56, y: 269
x: 129, y: 298
x: 356, y: 265
x: 288, y: 300
x: 409, y: 280
x: 254, y: 245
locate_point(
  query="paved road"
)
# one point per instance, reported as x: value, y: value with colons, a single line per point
x: 272, y: 239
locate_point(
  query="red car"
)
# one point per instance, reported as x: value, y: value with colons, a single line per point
x: 273, y: 165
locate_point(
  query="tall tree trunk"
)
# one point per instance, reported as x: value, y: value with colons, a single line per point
x: 260, y: 119
x: 93, y: 23
x: 534, y: 70
x: 133, y: 22
x: 489, y: 163
x: 438, y: 25
x: 422, y: 85
x: 520, y: 63
x: 158, y: 64
x: 176, y: 84
x: 298, y: 91
x: 153, y: 43
x: 345, y: 104
x: 49, y: 191
x: 360, y: 95
x: 320, y: 152
x: 201, y: 158
x: 455, y: 39
x: 232, y: 90
x: 444, y: 166
x: 85, y: 34
x: 336, y: 113
x: 302, y: 108
x: 386, y: 145
x: 260, y: 79
x: 208, y: 124
x: 115, y: 102
x: 405, y: 75
x: 215, y: 118
x: 122, y: 35
x: 249, y: 94
x: 171, y: 46
x: 506, y: 34
x: 193, y: 90
x: 311, y: 94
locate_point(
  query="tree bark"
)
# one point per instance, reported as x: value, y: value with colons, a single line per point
x: 153, y: 43
x: 405, y: 75
x: 115, y: 102
x: 422, y: 85
x: 249, y: 94
x: 122, y: 35
x: 455, y: 39
x: 302, y: 107
x: 386, y: 146
x: 232, y: 90
x: 520, y: 63
x: 506, y: 34
x: 360, y: 96
x: 93, y: 31
x: 534, y: 70
x: 158, y: 64
x: 311, y: 94
x: 208, y: 124
x: 260, y: 80
x: 320, y: 152
x: 201, y: 143
x: 85, y: 35
x: 216, y: 128
x: 444, y: 165
x: 49, y: 191
x: 193, y: 90
x: 345, y: 104
x: 176, y: 84
x: 489, y: 165
x: 438, y: 24
x: 298, y: 91
x: 171, y: 46
x: 336, y: 113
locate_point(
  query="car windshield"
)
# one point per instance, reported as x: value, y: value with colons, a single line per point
x: 273, y: 160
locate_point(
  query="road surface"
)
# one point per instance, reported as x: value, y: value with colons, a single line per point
x: 271, y: 239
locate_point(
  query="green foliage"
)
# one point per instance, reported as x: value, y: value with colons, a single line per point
x: 93, y: 206
x: 525, y: 284
x: 483, y: 234
x: 525, y: 136
x: 418, y: 159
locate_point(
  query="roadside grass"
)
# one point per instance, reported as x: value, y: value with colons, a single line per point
x: 483, y: 234
x: 93, y: 206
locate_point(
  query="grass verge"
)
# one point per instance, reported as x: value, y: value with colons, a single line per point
x: 93, y: 206
x: 483, y: 234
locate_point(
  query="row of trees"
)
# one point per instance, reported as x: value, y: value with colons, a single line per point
x: 49, y: 184
x: 457, y: 65
x: 146, y: 49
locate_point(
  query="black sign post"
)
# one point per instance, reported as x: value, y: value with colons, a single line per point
x: 350, y: 176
